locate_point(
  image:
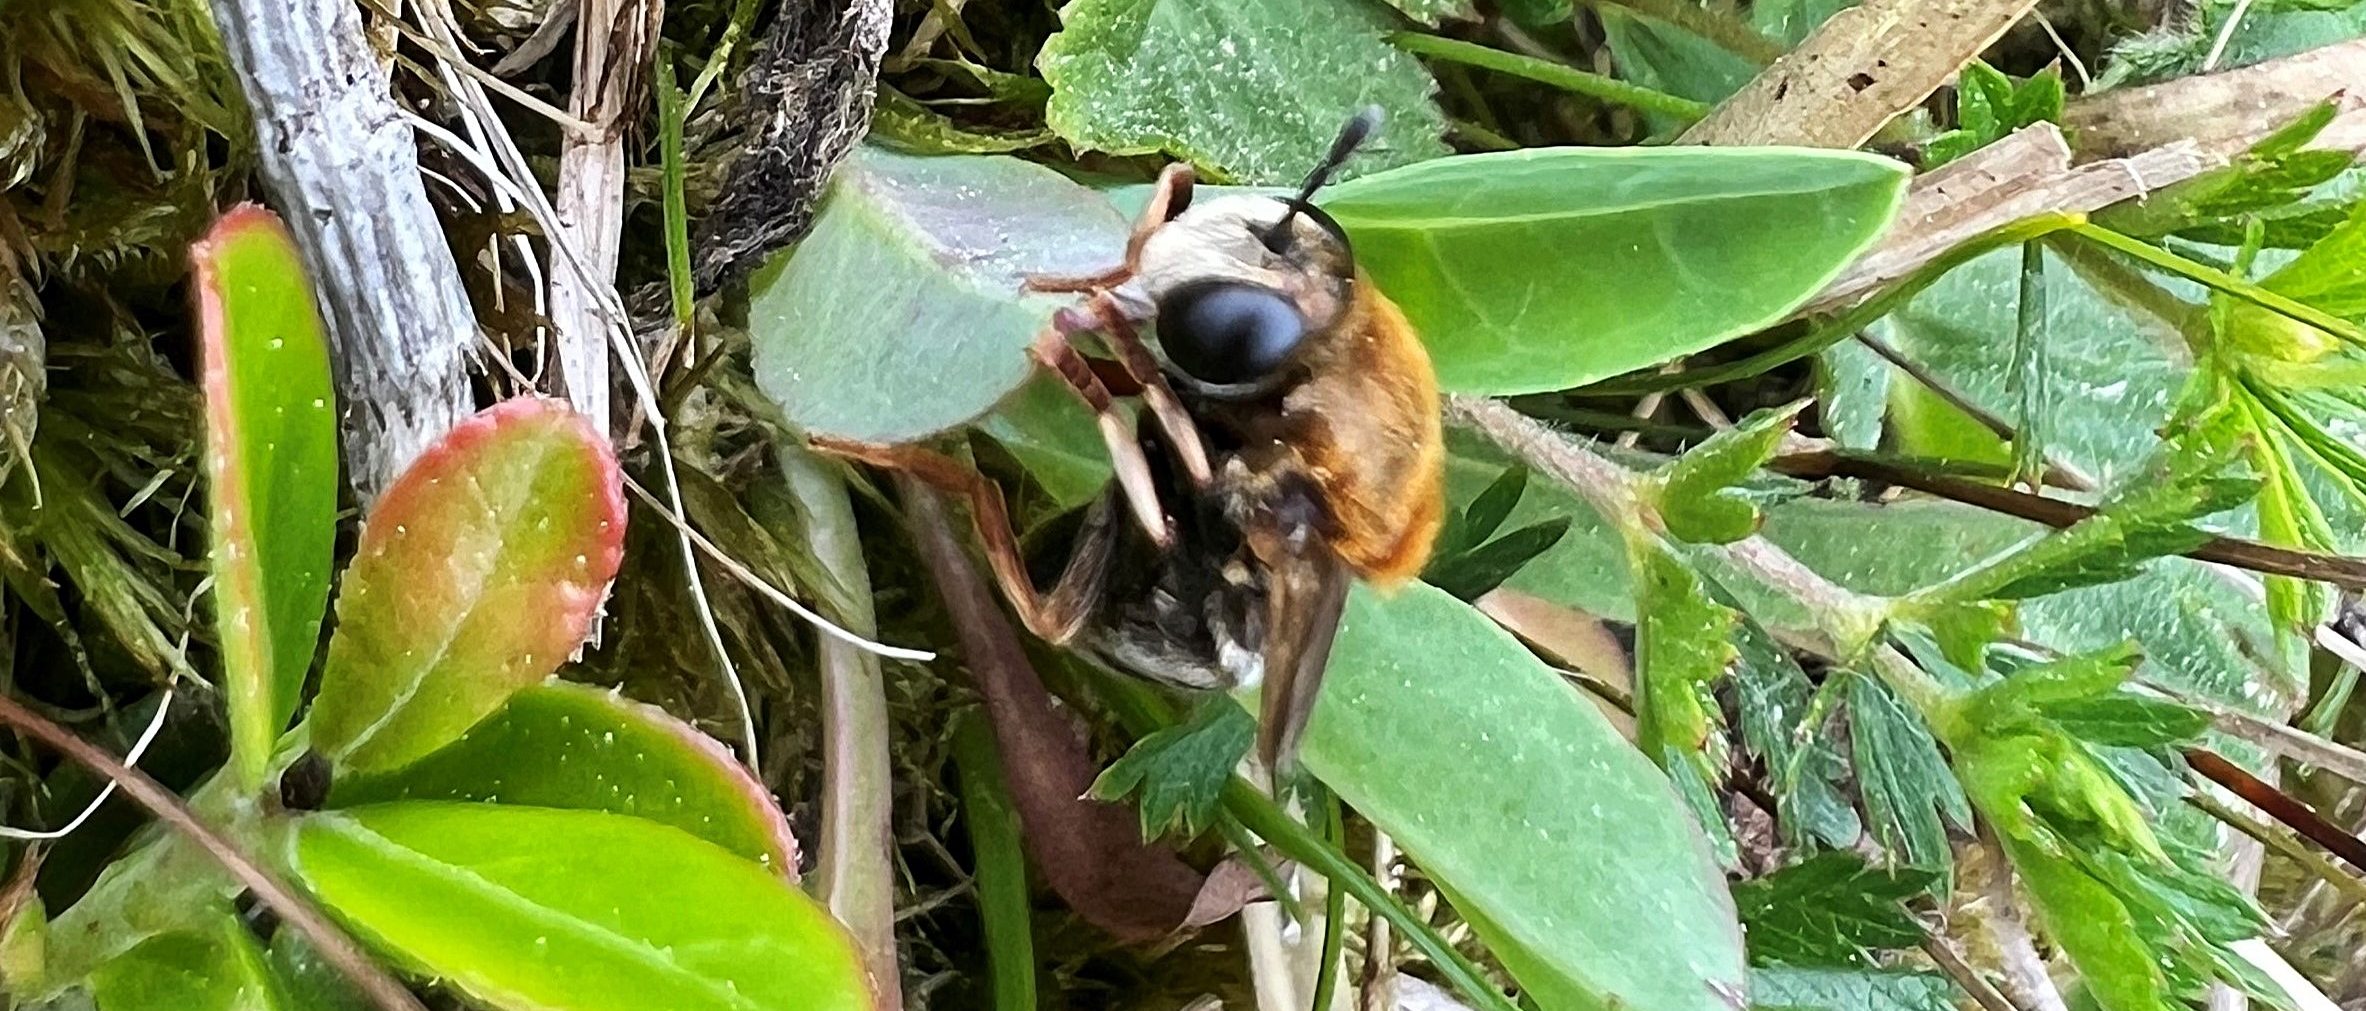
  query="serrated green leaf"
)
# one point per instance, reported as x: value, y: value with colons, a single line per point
x: 1695, y: 500
x: 1247, y: 91
x: 1180, y: 772
x: 1782, y: 722
x: 906, y: 125
x: 271, y: 471
x: 2091, y: 924
x: 1785, y: 988
x: 2127, y: 720
x: 1910, y: 794
x: 2145, y: 517
x: 1430, y: 12
x: 1831, y: 909
x: 1683, y: 648
x: 1472, y: 574
x: 1742, y: 237
x: 1989, y: 105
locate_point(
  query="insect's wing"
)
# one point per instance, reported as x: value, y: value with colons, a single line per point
x: 1306, y: 591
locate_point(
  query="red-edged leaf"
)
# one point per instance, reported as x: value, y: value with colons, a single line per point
x: 477, y: 574
x: 271, y: 469
x: 580, y: 747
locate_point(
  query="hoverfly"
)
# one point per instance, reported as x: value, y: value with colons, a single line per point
x: 1296, y: 447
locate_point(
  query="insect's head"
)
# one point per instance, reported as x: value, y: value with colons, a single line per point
x: 1241, y: 282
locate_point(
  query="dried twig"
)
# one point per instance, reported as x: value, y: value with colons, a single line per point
x: 2024, y: 175
x: 381, y: 989
x: 2221, y: 114
x: 341, y: 165
x: 1860, y: 69
x: 614, y: 39
x: 812, y: 89
x: 2279, y: 805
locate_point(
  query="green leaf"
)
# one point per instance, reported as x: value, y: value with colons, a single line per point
x: 1988, y: 106
x: 1831, y: 909
x: 1473, y: 574
x: 478, y: 571
x: 900, y: 315
x: 1736, y: 239
x: 1585, y: 569
x: 1683, y: 648
x: 1246, y: 91
x: 216, y: 969
x: 271, y: 472
x: 2274, y: 183
x: 906, y: 125
x: 2127, y: 720
x: 1474, y: 523
x: 1181, y: 771
x: 583, y: 748
x: 575, y: 910
x: 312, y: 984
x: 1430, y: 12
x: 1910, y: 794
x: 1794, y: 989
x: 2114, y: 370
x: 2194, y: 475
x: 1551, y: 835
x: 1052, y: 434
x: 2090, y: 924
x: 2327, y: 275
x: 1695, y: 499
x: 1782, y: 723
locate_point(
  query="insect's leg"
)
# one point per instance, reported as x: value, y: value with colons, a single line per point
x: 1103, y: 315
x: 1053, y: 616
x: 1053, y: 350
x: 1171, y: 195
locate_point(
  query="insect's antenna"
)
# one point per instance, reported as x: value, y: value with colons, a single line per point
x: 1351, y: 136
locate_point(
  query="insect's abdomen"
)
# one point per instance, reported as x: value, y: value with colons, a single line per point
x: 1377, y: 449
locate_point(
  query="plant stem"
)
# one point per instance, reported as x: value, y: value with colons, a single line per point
x: 2222, y: 281
x: 2279, y: 805
x: 1567, y: 78
x: 1258, y: 813
x: 1326, y: 979
x: 1727, y: 31
x: 2284, y: 843
x: 1858, y: 317
x: 381, y: 989
x: 856, y: 871
x: 2238, y: 552
x: 1001, y: 866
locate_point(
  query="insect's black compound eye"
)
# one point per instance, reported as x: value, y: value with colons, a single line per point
x: 1228, y: 332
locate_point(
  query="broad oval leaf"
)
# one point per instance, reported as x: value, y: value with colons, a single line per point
x: 576, y: 910
x: 902, y: 314
x: 1568, y: 851
x: 477, y: 573
x: 1530, y: 271
x: 1246, y: 90
x: 214, y: 969
x: 271, y: 471
x: 579, y: 747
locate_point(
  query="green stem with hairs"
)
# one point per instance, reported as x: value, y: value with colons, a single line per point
x: 1566, y: 78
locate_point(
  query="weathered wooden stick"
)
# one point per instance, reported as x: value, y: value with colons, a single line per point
x: 340, y: 163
